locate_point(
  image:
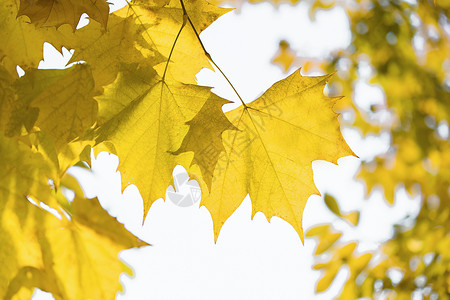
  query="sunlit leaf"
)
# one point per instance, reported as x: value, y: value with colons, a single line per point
x: 270, y: 156
x: 58, y: 12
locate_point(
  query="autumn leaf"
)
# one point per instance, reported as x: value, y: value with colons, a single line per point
x: 326, y: 235
x: 92, y: 239
x: 64, y: 100
x: 48, y: 13
x: 204, y: 137
x: 146, y: 123
x: 7, y: 97
x: 269, y: 157
x: 22, y: 261
x: 22, y: 171
x: 75, y: 258
x: 170, y: 32
x: 285, y: 56
x: 22, y: 42
x: 134, y: 93
x: 108, y: 51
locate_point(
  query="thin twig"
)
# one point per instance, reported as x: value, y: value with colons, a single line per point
x: 208, y: 55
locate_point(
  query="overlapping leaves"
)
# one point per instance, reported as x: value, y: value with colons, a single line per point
x: 415, y: 114
x: 134, y: 94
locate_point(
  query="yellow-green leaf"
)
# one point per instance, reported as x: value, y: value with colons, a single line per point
x: 352, y: 217
x: 326, y: 241
x: 168, y: 32
x: 108, y: 51
x: 147, y: 124
x: 204, y: 137
x: 332, y: 205
x: 270, y: 156
x: 64, y: 99
x: 22, y: 42
x: 73, y: 258
x: 285, y: 56
x: 58, y: 12
x: 22, y: 172
x: 328, y: 276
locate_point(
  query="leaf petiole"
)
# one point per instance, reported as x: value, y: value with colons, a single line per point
x: 208, y: 55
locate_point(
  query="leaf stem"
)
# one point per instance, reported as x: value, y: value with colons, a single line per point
x: 173, y: 46
x: 208, y: 55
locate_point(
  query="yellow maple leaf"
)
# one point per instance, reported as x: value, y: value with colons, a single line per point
x: 22, y: 172
x: 279, y: 135
x: 63, y: 100
x: 146, y: 122
x: 58, y: 12
x: 72, y: 257
x: 22, y: 42
x: 204, y: 137
x: 167, y: 32
x: 93, y: 239
x: 106, y: 52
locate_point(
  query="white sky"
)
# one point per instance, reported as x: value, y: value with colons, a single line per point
x: 253, y: 259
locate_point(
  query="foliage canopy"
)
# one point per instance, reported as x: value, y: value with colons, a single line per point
x: 405, y: 46
x: 133, y: 93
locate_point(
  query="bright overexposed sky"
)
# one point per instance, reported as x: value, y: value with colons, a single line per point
x: 253, y: 259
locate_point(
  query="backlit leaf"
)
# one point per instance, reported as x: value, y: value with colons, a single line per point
x: 270, y: 156
x: 57, y: 12
x: 22, y: 42
x: 63, y: 98
x: 147, y: 124
x: 204, y: 137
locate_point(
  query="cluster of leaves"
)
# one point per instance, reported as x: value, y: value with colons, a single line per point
x: 132, y: 92
x: 405, y: 46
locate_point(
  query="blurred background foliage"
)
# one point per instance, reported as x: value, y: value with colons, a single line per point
x: 401, y: 47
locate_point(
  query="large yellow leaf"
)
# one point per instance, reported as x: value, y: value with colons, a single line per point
x: 22, y: 42
x: 58, y: 12
x: 87, y: 250
x: 63, y: 99
x: 146, y: 123
x: 167, y: 31
x: 279, y: 135
x: 73, y: 257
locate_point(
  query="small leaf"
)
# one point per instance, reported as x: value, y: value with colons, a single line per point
x: 332, y: 205
x: 63, y: 98
x: 327, y: 278
x: 318, y: 230
x: 357, y: 264
x: 285, y: 56
x: 352, y: 217
x: 204, y: 137
x: 326, y: 241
